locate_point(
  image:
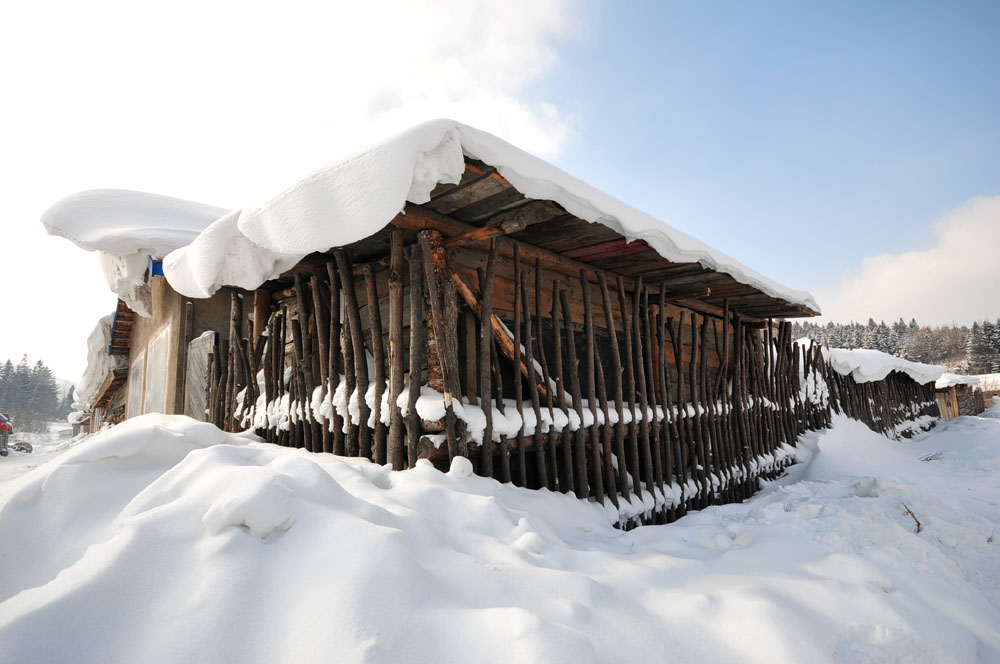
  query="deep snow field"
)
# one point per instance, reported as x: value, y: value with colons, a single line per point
x: 166, y: 540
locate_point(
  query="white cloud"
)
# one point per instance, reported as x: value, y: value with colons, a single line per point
x: 222, y: 102
x: 957, y: 280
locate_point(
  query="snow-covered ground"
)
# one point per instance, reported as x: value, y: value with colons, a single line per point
x: 166, y: 540
x: 45, y: 446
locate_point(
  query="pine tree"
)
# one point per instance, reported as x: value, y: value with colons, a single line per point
x: 44, y: 397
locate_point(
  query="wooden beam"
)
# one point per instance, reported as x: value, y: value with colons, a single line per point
x: 501, y: 333
x: 418, y: 218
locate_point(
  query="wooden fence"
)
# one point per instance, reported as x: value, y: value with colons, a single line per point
x: 617, y: 394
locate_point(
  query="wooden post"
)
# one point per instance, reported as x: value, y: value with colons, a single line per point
x: 435, y: 267
x: 543, y: 475
x: 518, y: 385
x: 323, y: 340
x: 616, y: 375
x: 579, y: 444
x: 396, y: 351
x: 417, y: 354
x: 553, y: 460
x: 567, y: 454
x: 336, y: 421
x: 485, y: 362
x: 357, y: 343
x: 640, y: 380
x: 591, y: 356
x: 378, y: 355
x: 633, y: 433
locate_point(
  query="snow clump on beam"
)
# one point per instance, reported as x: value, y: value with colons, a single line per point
x: 99, y: 363
x: 127, y: 228
x: 357, y: 196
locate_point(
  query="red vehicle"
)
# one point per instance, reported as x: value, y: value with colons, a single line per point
x: 5, y: 430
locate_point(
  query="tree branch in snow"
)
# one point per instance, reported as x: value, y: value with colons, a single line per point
x: 914, y: 517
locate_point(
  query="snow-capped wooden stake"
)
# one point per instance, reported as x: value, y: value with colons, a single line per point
x: 616, y: 375
x: 378, y: 360
x: 417, y: 354
x: 540, y: 460
x: 485, y: 361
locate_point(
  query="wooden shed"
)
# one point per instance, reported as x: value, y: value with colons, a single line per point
x: 958, y: 395
x: 508, y: 314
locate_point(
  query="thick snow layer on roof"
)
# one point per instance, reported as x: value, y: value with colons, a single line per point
x: 99, y: 362
x: 125, y: 222
x: 126, y: 228
x: 354, y: 197
x: 950, y: 379
x: 866, y: 365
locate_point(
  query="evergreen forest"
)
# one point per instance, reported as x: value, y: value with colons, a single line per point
x: 967, y: 350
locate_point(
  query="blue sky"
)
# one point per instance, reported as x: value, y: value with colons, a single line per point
x: 847, y: 148
x: 844, y: 129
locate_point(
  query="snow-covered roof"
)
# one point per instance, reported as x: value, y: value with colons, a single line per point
x: 950, y: 379
x: 124, y: 222
x: 356, y: 196
x: 866, y: 365
x: 126, y: 229
x: 989, y: 382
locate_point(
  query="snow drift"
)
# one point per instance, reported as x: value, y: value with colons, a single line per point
x: 164, y: 539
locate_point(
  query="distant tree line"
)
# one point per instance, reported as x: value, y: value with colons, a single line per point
x: 29, y: 394
x: 968, y: 350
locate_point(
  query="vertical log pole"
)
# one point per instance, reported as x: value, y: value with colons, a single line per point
x: 607, y: 434
x: 591, y: 356
x: 378, y: 356
x: 642, y: 390
x: 518, y: 383
x: 579, y: 438
x: 346, y: 268
x: 396, y: 352
x: 633, y: 429
x: 336, y: 420
x: 669, y: 423
x: 417, y: 354
x: 485, y: 362
x: 542, y: 467
x: 323, y: 339
x: 553, y: 461
x: 566, y: 434
x: 435, y: 267
x: 616, y: 375
x: 649, y: 401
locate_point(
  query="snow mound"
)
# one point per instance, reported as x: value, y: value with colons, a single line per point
x: 358, y: 195
x: 950, y: 379
x: 866, y: 365
x: 165, y: 540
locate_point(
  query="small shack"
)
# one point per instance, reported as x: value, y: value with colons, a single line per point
x: 958, y: 395
x: 446, y: 295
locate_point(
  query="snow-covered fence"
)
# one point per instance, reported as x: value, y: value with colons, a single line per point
x: 660, y: 411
